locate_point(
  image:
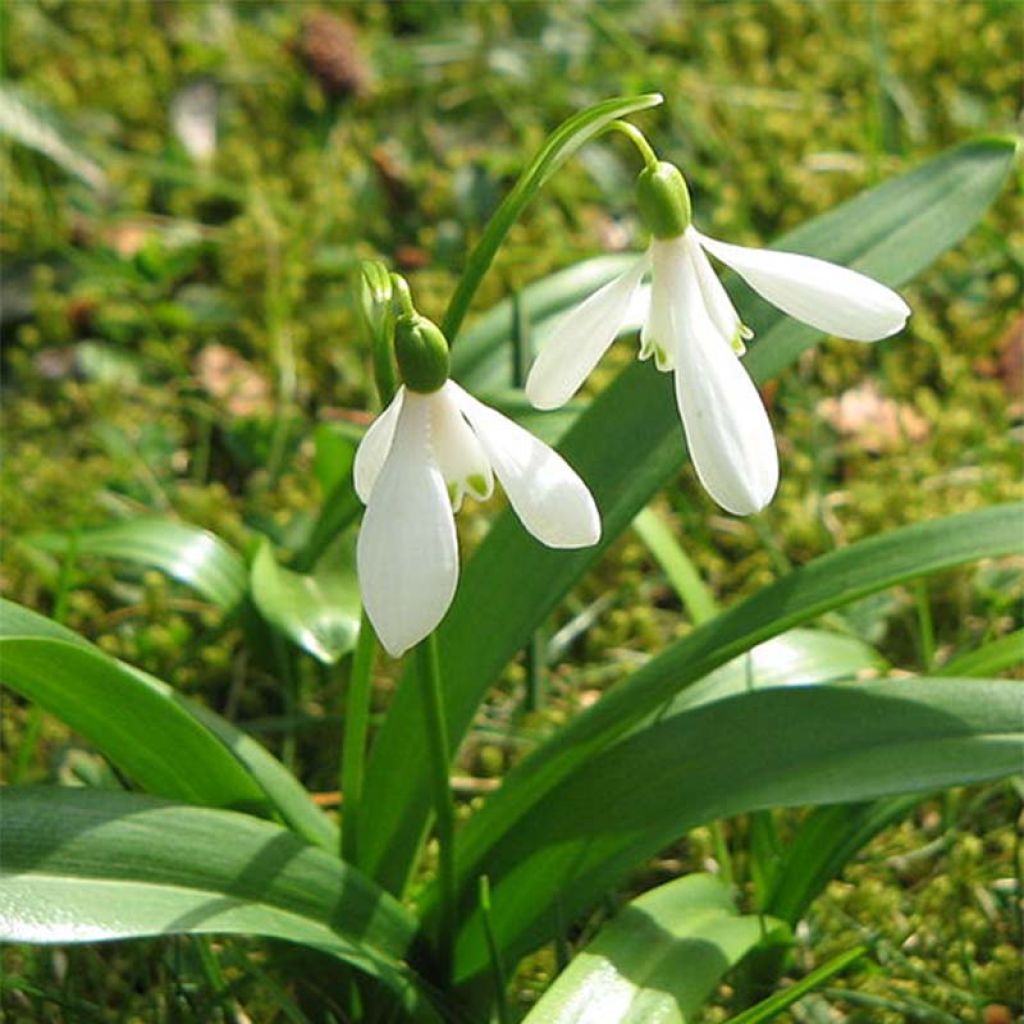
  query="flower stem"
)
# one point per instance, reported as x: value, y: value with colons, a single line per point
x: 638, y: 139
x: 444, y: 807
x: 353, y: 751
x: 557, y: 148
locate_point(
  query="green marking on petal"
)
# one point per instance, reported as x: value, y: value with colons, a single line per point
x: 662, y: 360
x: 743, y: 333
x: 477, y: 484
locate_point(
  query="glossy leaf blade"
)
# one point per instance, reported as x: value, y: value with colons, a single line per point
x: 167, y: 743
x: 781, y: 747
x: 826, y: 583
x: 626, y: 445
x: 319, y: 611
x: 829, y: 837
x: 800, y: 657
x: 658, y: 960
x: 141, y: 729
x: 85, y: 865
x: 186, y: 553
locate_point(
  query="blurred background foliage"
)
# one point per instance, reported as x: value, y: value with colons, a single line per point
x: 186, y: 188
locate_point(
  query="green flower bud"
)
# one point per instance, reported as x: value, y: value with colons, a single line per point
x: 664, y: 200
x: 422, y: 353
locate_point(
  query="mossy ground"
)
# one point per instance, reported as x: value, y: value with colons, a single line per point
x: 398, y: 139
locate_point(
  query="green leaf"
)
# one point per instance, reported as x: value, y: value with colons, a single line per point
x: 186, y: 553
x: 560, y: 145
x: 482, y: 358
x: 340, y: 510
x: 821, y: 848
x: 783, y: 747
x: 85, y: 865
x: 658, y: 960
x: 679, y: 570
x: 997, y: 656
x: 320, y: 611
x: 829, y: 582
x: 801, y: 657
x: 830, y: 836
x: 334, y: 451
x: 626, y: 446
x: 166, y: 743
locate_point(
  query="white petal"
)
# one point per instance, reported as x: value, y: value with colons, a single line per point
x: 407, y: 555
x: 374, y: 448
x: 832, y: 298
x: 716, y: 299
x: 460, y: 458
x: 657, y: 338
x: 580, y: 338
x: 547, y: 495
x: 726, y: 426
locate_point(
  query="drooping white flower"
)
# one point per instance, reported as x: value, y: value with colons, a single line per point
x: 418, y: 460
x: 693, y: 329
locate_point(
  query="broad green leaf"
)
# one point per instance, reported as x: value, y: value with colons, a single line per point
x: 548, y: 426
x: 334, y: 451
x: 187, y: 553
x: 340, y: 510
x: 828, y: 582
x: 782, y: 747
x: 84, y: 865
x: 658, y: 960
x: 831, y: 836
x: 801, y: 657
x: 963, y: 181
x: 318, y: 611
x: 560, y: 145
x: 627, y: 445
x: 165, y: 742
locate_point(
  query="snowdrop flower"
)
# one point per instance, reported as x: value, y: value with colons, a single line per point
x: 693, y: 329
x: 430, y: 447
